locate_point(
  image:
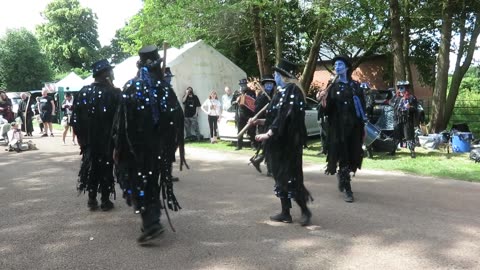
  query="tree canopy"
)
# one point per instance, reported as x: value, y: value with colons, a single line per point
x: 22, y: 65
x: 69, y: 36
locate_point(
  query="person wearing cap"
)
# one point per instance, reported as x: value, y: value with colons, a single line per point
x: 405, y: 108
x: 147, y: 132
x: 284, y: 138
x: 268, y: 89
x: 244, y: 112
x: 344, y: 105
x: 92, y: 119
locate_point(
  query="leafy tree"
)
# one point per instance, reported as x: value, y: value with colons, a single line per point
x: 462, y: 19
x: 69, y: 37
x: 114, y: 52
x: 22, y: 65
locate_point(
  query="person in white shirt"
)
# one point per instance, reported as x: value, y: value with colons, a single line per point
x: 4, y: 128
x: 227, y: 99
x: 67, y: 106
x: 15, y: 137
x: 213, y: 108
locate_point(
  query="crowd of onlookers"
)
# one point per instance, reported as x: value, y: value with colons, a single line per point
x: 213, y: 107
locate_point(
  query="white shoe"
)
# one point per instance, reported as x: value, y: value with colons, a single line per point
x: 74, y: 143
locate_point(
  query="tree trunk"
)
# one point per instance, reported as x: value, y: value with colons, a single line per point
x: 311, y: 64
x: 437, y: 121
x: 397, y: 40
x: 257, y: 39
x: 278, y: 32
x: 466, y: 50
x: 406, y: 44
x: 267, y: 67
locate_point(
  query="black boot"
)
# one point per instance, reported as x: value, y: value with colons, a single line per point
x: 284, y: 216
x: 151, y: 228
x: 341, y: 183
x: 348, y: 192
x: 343, y: 175
x: 305, y: 220
x: 106, y: 204
x: 256, y: 161
x: 92, y: 201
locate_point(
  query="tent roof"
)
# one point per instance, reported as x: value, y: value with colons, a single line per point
x: 72, y: 81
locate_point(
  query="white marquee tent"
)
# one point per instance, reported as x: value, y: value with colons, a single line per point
x: 195, y: 64
x: 72, y: 81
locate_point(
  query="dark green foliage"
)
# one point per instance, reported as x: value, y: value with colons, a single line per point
x: 69, y: 37
x: 22, y: 65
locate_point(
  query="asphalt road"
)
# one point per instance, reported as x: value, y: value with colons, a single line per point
x: 397, y: 222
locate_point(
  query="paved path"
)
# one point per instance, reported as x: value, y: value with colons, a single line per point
x: 398, y: 221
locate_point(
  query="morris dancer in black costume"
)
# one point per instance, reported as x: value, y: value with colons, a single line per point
x: 147, y: 131
x: 284, y: 139
x: 344, y: 105
x: 405, y: 108
x: 268, y: 85
x: 244, y: 112
x: 92, y: 120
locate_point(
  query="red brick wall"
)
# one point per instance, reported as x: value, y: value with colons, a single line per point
x: 372, y: 71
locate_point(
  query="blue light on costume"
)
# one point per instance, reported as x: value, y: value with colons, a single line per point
x: 142, y: 193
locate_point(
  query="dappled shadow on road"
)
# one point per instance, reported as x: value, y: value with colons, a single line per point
x: 398, y: 221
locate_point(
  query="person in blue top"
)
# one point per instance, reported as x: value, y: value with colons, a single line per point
x: 344, y: 105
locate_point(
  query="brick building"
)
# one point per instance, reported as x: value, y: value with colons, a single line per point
x: 373, y: 72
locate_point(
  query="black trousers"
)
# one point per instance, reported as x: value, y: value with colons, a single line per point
x: 212, y: 123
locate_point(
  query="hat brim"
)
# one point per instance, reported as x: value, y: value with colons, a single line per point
x: 343, y: 59
x: 267, y: 80
x: 284, y: 72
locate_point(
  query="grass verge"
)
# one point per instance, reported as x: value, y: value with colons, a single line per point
x: 428, y: 162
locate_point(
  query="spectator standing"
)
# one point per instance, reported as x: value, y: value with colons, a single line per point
x: 25, y: 113
x: 67, y: 107
x: 191, y: 104
x: 227, y: 99
x: 4, y: 128
x: 46, y: 108
x: 213, y: 108
x: 6, y: 107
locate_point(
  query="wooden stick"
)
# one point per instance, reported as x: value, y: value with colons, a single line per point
x: 247, y: 126
x: 165, y: 45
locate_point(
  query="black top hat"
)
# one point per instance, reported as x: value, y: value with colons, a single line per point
x: 149, y: 52
x: 243, y: 81
x: 267, y: 78
x: 344, y: 59
x: 286, y: 68
x: 100, y: 66
x: 168, y: 72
